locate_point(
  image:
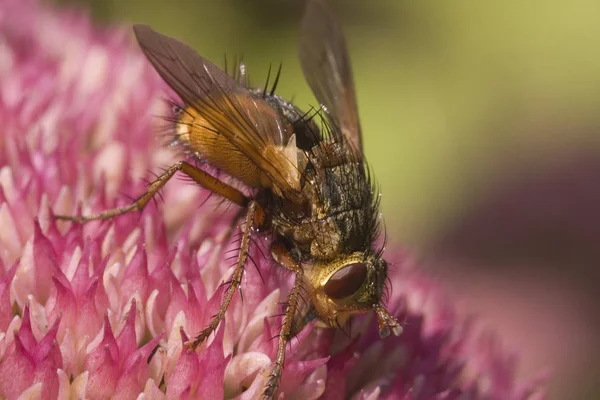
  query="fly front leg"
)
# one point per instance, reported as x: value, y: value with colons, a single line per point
x: 199, y: 176
x: 253, y: 218
x: 282, y: 256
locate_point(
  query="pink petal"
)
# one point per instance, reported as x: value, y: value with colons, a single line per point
x: 153, y: 320
x: 161, y: 279
x: 89, y: 315
x: 255, y: 327
x: 152, y: 392
x: 136, y: 276
x: 103, y: 379
x: 45, y: 263
x: 79, y: 386
x: 155, y: 237
x: 16, y: 370
x: 8, y: 227
x: 146, y: 351
x: 264, y: 343
x: 127, y: 338
x: 184, y: 375
x: 70, y: 353
x: 312, y: 388
x: 101, y: 297
x: 48, y: 222
x: 242, y: 370
x: 81, y: 278
x: 196, y: 282
x: 136, y: 369
x: 48, y: 359
x: 193, y: 311
x: 34, y: 392
x: 177, y: 304
x: 98, y: 355
x: 337, y: 370
x: 64, y: 385
x: 296, y: 372
x: 132, y: 379
x: 6, y: 311
x: 212, y: 368
x: 25, y: 332
x: 62, y: 302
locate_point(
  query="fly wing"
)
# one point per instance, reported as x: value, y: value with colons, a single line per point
x: 327, y: 69
x: 247, y: 121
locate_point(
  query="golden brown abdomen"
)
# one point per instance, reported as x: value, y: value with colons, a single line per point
x: 202, y: 139
x: 257, y: 130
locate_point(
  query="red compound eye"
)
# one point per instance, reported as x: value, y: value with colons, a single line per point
x: 346, y: 281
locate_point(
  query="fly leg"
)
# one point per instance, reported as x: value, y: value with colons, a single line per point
x: 282, y: 256
x: 253, y: 218
x: 199, y: 176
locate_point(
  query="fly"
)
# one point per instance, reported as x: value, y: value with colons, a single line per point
x: 310, y: 187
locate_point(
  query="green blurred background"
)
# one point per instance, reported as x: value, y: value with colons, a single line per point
x: 454, y: 97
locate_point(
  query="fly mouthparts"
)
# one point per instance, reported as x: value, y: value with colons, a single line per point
x: 387, y: 322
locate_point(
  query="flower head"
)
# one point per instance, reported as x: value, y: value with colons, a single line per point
x: 103, y: 310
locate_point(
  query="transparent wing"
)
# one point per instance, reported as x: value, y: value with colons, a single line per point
x: 327, y: 69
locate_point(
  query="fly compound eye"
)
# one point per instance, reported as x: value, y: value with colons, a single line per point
x: 346, y: 281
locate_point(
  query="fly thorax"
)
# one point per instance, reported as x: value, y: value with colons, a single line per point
x: 327, y: 241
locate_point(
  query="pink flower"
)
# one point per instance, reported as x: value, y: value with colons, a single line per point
x: 102, y: 310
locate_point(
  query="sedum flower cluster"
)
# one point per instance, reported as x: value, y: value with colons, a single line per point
x: 102, y: 310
